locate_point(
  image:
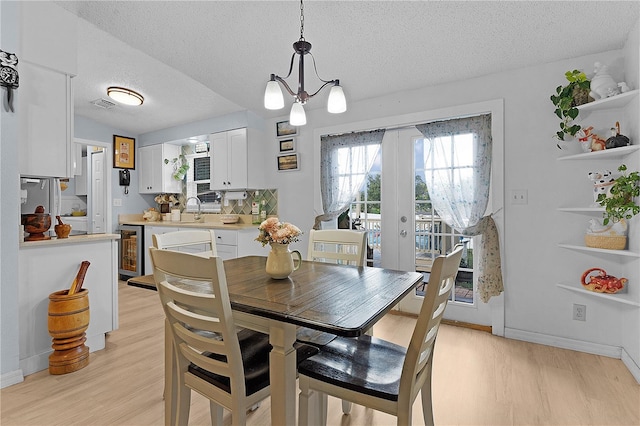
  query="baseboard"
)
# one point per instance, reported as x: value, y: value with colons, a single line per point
x: 11, y: 378
x: 634, y: 369
x: 485, y: 328
x: 564, y: 343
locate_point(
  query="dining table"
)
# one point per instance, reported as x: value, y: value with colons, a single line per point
x: 339, y: 299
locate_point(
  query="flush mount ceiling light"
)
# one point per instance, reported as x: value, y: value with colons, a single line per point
x: 125, y: 96
x: 273, y: 94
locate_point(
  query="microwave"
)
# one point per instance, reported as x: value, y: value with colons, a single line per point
x: 201, y: 170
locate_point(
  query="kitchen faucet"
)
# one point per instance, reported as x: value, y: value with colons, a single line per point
x: 198, y: 215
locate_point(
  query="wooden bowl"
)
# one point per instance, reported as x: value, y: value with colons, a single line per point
x: 36, y: 224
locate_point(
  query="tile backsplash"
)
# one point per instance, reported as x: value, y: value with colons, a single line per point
x: 270, y: 195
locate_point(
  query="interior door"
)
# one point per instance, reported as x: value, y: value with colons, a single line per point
x: 98, y: 204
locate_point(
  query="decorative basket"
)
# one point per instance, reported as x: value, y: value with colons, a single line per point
x: 616, y: 242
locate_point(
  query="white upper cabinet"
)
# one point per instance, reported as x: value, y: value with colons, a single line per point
x: 230, y: 160
x: 44, y: 101
x: 155, y: 175
x: 45, y: 111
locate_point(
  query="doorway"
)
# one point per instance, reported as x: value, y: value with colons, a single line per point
x: 98, y: 184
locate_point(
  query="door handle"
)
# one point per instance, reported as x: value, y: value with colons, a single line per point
x: 403, y: 233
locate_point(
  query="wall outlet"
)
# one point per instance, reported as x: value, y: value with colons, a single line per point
x: 117, y: 202
x: 579, y: 312
x: 519, y: 196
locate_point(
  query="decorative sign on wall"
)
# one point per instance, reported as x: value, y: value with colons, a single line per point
x: 288, y: 145
x: 283, y: 128
x: 9, y: 76
x: 288, y: 162
x: 124, y: 152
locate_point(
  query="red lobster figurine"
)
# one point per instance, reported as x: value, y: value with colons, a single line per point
x: 602, y: 283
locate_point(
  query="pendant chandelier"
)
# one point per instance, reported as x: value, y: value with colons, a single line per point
x: 273, y: 98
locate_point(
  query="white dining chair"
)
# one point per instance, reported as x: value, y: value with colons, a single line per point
x: 341, y: 246
x: 376, y: 373
x: 208, y: 354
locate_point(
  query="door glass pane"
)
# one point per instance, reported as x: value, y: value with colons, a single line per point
x: 364, y: 212
x: 433, y: 237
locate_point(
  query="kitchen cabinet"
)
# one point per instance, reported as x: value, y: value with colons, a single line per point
x: 44, y: 101
x: 45, y: 111
x: 154, y: 175
x: 623, y: 263
x: 235, y: 155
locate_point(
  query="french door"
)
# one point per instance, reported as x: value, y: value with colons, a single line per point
x: 404, y: 231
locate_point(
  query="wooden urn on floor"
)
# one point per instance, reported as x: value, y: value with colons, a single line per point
x: 68, y: 322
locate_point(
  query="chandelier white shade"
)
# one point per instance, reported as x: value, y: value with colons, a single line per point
x: 297, y: 117
x: 125, y: 96
x: 273, y: 98
x: 336, y: 103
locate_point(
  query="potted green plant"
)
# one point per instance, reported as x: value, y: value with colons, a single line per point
x: 180, y: 166
x: 567, y: 98
x: 619, y: 204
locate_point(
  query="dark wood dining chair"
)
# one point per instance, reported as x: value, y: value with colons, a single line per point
x: 208, y: 353
x: 376, y: 373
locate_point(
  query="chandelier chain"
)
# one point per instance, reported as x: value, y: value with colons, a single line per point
x: 301, y: 20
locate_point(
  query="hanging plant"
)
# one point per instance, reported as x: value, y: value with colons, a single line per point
x: 619, y: 204
x: 567, y: 98
x: 180, y: 166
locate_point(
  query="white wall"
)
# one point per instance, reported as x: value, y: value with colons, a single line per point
x: 9, y: 213
x: 533, y: 303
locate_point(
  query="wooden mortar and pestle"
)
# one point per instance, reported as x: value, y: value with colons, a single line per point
x: 62, y: 229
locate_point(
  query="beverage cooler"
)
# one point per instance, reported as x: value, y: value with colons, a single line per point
x: 131, y: 263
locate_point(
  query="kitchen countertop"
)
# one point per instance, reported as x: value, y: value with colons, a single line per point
x: 211, y: 221
x: 73, y: 239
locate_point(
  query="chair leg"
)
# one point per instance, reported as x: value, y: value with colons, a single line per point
x: 217, y: 413
x: 312, y: 405
x: 346, y: 406
x: 184, y: 404
x: 427, y: 406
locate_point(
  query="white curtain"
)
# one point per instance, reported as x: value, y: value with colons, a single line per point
x: 345, y: 161
x: 458, y: 171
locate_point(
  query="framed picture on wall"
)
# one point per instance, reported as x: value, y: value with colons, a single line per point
x: 124, y: 152
x: 287, y: 145
x: 283, y: 128
x: 288, y: 162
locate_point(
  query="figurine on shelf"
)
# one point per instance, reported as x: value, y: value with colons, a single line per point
x: 624, y: 88
x: 602, y: 84
x: 616, y: 140
x: 584, y: 137
x: 597, y: 143
x: 602, y: 182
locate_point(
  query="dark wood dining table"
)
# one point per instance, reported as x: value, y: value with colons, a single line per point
x: 339, y: 299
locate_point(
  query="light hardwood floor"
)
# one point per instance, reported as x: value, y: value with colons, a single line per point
x: 478, y: 379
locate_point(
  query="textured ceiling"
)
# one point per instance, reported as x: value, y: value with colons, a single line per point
x: 196, y: 60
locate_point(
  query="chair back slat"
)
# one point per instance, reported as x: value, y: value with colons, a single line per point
x: 417, y: 365
x: 341, y: 246
x: 186, y: 240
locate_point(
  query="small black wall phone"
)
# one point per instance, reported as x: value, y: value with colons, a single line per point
x: 125, y: 180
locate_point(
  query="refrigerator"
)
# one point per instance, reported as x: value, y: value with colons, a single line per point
x: 41, y: 191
